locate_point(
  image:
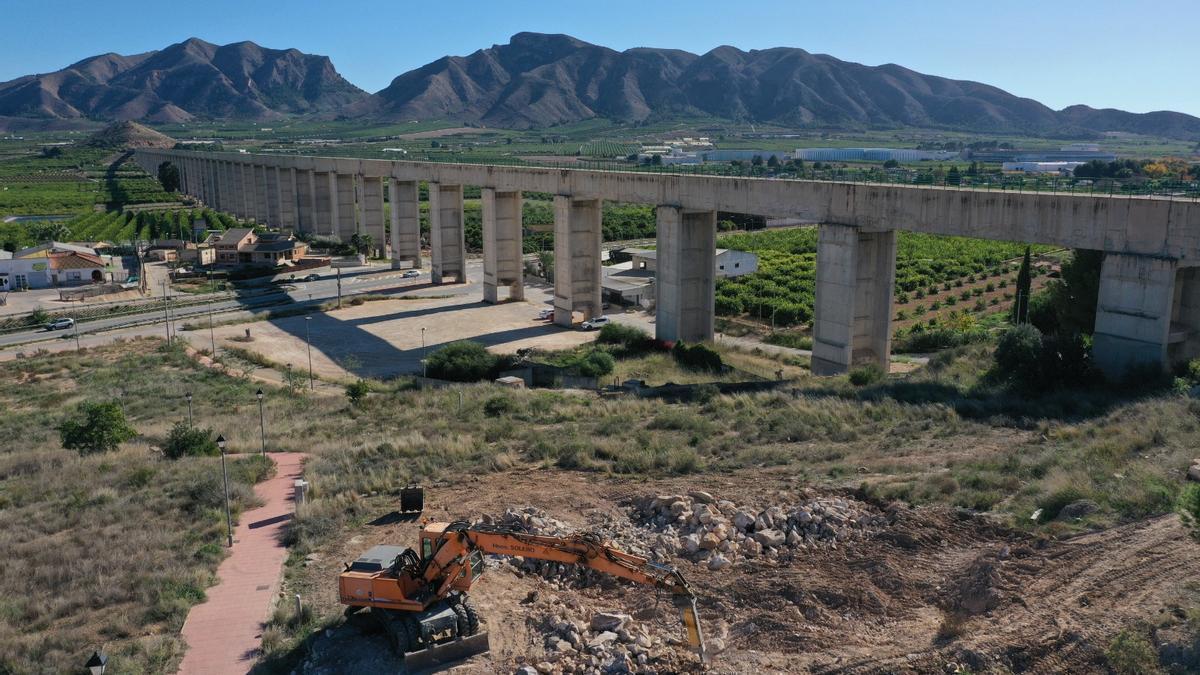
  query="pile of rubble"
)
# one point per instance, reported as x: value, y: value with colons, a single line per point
x: 533, y: 520
x: 699, y: 527
x: 610, y: 643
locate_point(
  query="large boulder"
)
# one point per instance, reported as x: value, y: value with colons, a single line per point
x: 610, y: 621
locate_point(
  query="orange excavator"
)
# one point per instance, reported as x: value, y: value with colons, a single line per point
x: 420, y: 597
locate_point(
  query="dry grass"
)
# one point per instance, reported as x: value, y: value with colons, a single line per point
x: 105, y: 549
x: 83, y: 568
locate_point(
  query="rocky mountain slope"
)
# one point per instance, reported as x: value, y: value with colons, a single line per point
x: 184, y: 81
x: 539, y: 80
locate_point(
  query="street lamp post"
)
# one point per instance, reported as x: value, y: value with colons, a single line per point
x: 225, y: 474
x: 308, y: 343
x: 339, y: 284
x: 262, y: 421
x: 424, y: 365
x: 188, y: 396
x: 75, y: 325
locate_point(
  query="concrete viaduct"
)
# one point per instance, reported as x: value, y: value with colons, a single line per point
x: 1149, y: 302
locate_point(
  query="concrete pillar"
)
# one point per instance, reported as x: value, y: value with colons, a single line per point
x: 1133, y: 312
x: 577, y: 237
x: 406, y: 224
x: 242, y: 190
x: 286, y: 180
x: 271, y: 183
x: 226, y: 181
x: 324, y: 191
x: 502, y: 254
x: 345, y: 227
x: 447, y: 239
x: 685, y: 274
x: 370, y: 212
x: 856, y: 273
x: 1183, y: 341
x: 262, y: 192
x: 306, y: 201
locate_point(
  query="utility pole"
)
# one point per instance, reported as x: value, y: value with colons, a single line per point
x: 166, y: 318
x: 75, y: 324
x: 339, y: 283
x: 212, y: 335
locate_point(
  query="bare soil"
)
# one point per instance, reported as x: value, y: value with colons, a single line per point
x: 937, y: 590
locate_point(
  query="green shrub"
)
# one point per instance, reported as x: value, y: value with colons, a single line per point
x: 921, y: 340
x: 1130, y: 653
x: 185, y: 440
x: 697, y: 356
x: 1018, y: 351
x: 596, y: 364
x: 462, y: 362
x: 629, y: 337
x: 1189, y: 508
x: 101, y: 429
x: 498, y: 405
x: 356, y: 391
x: 866, y: 374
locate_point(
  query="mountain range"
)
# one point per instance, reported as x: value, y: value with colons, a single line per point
x: 189, y: 80
x: 541, y: 80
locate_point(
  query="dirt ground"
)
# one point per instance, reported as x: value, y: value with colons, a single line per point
x: 384, y: 338
x: 935, y: 590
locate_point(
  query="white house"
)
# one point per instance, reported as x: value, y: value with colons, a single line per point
x: 633, y: 281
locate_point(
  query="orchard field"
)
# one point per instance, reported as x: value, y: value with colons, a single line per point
x: 782, y: 290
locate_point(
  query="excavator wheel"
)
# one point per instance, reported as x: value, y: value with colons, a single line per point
x: 463, y: 621
x: 472, y: 616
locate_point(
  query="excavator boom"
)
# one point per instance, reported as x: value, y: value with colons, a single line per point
x: 460, y: 540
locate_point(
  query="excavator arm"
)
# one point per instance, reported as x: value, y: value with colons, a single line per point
x: 459, y: 540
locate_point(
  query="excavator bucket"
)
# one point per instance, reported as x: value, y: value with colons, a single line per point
x: 412, y: 499
x: 691, y: 624
x: 446, y: 653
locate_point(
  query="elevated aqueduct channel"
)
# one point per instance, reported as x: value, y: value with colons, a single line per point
x: 1148, y: 309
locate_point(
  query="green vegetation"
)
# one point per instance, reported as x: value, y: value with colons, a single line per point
x: 102, y: 428
x: 142, y: 534
x: 73, y: 180
x: 185, y: 440
x: 781, y: 292
x: 357, y: 390
x: 462, y: 362
x: 1130, y: 653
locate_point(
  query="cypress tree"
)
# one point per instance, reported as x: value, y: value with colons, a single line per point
x: 1020, y: 308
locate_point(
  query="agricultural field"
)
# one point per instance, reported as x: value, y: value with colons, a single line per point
x: 782, y: 290
x: 67, y: 180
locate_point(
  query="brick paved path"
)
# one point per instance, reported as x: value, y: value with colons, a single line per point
x: 223, y: 633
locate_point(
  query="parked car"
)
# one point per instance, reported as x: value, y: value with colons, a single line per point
x: 595, y: 323
x: 545, y: 315
x: 410, y: 274
x: 312, y: 277
x: 60, y: 324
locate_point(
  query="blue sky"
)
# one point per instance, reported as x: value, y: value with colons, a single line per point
x: 1105, y: 53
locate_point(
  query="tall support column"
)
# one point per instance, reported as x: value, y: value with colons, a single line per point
x: 406, y: 224
x: 1133, y: 313
x: 447, y: 240
x: 370, y: 212
x: 577, y: 237
x: 325, y: 196
x: 345, y: 206
x: 502, y: 245
x: 685, y: 274
x: 306, y: 204
x: 262, y: 191
x: 271, y: 184
x: 228, y: 197
x: 856, y: 273
x: 245, y: 190
x: 286, y: 181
